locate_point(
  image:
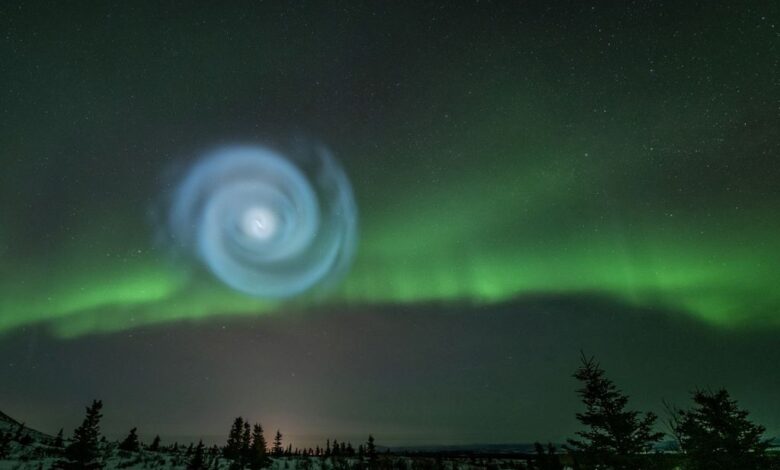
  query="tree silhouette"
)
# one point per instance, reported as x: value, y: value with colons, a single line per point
x: 198, y: 459
x: 246, y: 442
x: 371, y: 451
x: 131, y: 444
x: 615, y: 437
x: 277, y: 449
x: 232, y: 449
x: 335, y: 449
x: 717, y: 435
x: 258, y: 455
x: 59, y: 442
x: 547, y: 459
x: 83, y: 451
x: 155, y: 445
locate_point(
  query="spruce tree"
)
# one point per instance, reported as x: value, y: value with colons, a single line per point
x: 155, y: 446
x: 83, y: 451
x: 717, y: 435
x: 232, y: 449
x: 59, y: 442
x: 246, y: 442
x: 371, y: 451
x: 277, y: 450
x: 334, y: 450
x: 547, y: 459
x: 258, y: 455
x: 131, y: 443
x: 615, y: 437
x: 198, y: 459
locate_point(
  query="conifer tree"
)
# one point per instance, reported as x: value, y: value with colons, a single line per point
x: 131, y: 443
x: 547, y: 459
x: 334, y: 451
x: 246, y: 442
x: 371, y: 451
x: 258, y: 455
x: 83, y: 451
x: 232, y: 449
x: 198, y: 459
x: 277, y: 450
x: 615, y: 437
x: 155, y: 446
x: 717, y: 435
x: 59, y: 442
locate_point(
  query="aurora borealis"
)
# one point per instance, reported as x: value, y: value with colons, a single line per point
x: 500, y: 154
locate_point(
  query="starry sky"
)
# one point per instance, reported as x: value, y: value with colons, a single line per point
x: 532, y: 180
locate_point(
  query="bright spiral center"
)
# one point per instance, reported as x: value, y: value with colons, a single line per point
x: 260, y: 223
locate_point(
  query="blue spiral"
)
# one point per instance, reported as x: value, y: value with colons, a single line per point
x: 265, y: 223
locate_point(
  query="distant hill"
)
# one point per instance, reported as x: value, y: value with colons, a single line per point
x: 8, y: 424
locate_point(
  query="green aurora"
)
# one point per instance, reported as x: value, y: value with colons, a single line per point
x: 646, y: 173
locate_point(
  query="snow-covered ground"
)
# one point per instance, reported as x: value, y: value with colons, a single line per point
x: 29, y: 449
x: 40, y: 457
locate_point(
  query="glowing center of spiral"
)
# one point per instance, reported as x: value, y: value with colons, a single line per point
x: 260, y: 223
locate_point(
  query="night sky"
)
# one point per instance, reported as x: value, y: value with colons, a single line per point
x: 531, y: 181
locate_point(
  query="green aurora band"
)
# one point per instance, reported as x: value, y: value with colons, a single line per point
x: 632, y: 174
x: 495, y: 238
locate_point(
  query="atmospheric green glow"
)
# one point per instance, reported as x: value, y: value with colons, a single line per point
x: 439, y: 247
x: 537, y: 178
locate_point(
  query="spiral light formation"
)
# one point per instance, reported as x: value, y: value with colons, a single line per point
x: 266, y: 223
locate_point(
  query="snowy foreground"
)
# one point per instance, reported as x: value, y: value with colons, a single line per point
x: 39, y: 457
x: 23, y: 448
x: 291, y: 463
x: 163, y: 461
